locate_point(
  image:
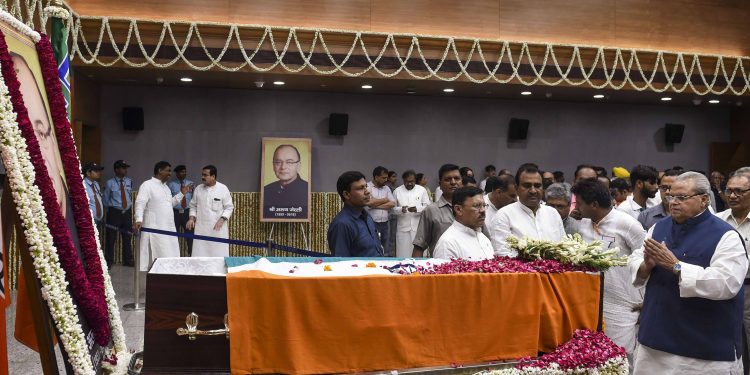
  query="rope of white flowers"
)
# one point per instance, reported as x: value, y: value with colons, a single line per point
x: 28, y: 202
x: 81, y: 49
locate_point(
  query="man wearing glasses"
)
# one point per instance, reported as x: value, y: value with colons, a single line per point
x: 464, y: 238
x: 692, y: 265
x: 527, y: 217
x: 287, y: 196
x: 738, y: 198
x: 650, y: 216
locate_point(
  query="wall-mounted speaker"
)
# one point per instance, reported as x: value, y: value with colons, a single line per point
x: 132, y: 118
x: 518, y: 129
x: 338, y: 124
x: 673, y: 133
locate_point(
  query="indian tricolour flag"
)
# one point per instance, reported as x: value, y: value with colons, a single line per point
x: 60, y: 48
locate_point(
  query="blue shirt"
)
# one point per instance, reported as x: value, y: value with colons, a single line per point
x: 92, y: 187
x: 353, y: 234
x: 174, y: 187
x: 112, y: 193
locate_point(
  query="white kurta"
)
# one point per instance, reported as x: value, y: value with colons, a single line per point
x: 630, y: 207
x: 618, y: 229
x: 518, y: 220
x: 153, y: 208
x: 407, y: 222
x: 462, y: 242
x: 209, y: 205
x: 721, y: 280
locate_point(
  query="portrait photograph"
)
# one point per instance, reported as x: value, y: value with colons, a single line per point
x: 285, y: 179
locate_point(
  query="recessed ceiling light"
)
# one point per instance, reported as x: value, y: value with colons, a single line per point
x: 525, y: 92
x: 411, y: 91
x: 366, y: 87
x: 714, y: 101
x: 598, y: 96
x: 666, y: 99
x: 186, y: 79
x: 278, y: 83
x: 448, y: 90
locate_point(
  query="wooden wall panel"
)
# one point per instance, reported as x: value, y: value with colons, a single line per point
x: 471, y: 18
x: 570, y: 22
x: 704, y: 26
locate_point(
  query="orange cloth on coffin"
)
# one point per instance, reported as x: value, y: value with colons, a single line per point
x: 354, y: 324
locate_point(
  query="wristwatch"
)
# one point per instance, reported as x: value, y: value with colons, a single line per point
x: 677, y: 268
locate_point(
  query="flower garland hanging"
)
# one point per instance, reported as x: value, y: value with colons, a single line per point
x: 88, y: 293
x: 88, y: 236
x: 26, y: 195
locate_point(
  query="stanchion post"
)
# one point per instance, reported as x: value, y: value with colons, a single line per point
x: 270, y: 251
x: 136, y: 305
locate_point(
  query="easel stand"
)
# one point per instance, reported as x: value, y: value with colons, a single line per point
x: 271, y: 252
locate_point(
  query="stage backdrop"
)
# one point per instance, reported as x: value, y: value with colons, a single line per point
x: 224, y: 127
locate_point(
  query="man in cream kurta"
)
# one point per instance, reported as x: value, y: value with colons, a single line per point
x: 614, y: 228
x: 527, y: 217
x: 411, y: 199
x: 210, y: 209
x: 464, y: 238
x: 153, y: 209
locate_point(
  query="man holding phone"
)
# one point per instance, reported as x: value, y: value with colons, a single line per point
x: 411, y: 199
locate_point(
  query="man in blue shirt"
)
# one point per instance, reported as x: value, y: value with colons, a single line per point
x: 182, y: 208
x: 92, y: 172
x: 352, y: 232
x: 118, y: 200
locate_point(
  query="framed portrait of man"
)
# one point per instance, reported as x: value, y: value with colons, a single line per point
x: 285, y: 179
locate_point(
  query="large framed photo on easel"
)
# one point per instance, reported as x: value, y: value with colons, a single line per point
x: 285, y: 180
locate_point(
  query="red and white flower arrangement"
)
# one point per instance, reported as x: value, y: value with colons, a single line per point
x: 586, y: 353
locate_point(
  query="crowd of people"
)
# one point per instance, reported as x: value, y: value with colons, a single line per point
x: 678, y: 306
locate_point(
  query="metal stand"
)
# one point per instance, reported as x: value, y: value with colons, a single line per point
x: 271, y: 252
x: 136, y: 305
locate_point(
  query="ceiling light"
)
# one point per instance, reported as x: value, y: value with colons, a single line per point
x: 598, y: 96
x: 366, y: 87
x: 525, y: 92
x: 448, y: 90
x: 186, y: 79
x: 411, y: 91
x: 666, y: 99
x: 278, y: 83
x: 714, y: 101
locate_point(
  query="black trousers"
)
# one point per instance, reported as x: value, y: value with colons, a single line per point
x: 120, y: 223
x: 180, y: 220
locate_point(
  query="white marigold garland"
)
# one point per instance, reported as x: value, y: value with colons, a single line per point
x: 46, y: 262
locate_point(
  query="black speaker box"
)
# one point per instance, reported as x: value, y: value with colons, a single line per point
x: 338, y: 124
x: 673, y: 133
x: 132, y: 118
x: 518, y: 129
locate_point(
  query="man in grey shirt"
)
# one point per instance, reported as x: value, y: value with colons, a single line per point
x: 438, y: 216
x: 650, y: 216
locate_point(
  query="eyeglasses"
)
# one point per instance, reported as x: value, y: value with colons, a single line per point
x: 278, y: 163
x: 737, y: 192
x: 665, y: 187
x: 480, y: 206
x: 683, y: 198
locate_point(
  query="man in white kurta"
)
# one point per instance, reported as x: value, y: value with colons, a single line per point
x: 614, y: 228
x: 411, y: 199
x: 464, y: 238
x: 153, y: 209
x: 527, y: 217
x: 683, y: 281
x: 210, y: 210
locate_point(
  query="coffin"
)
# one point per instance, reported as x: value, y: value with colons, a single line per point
x: 177, y: 287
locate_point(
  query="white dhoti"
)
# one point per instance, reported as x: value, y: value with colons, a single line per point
x: 649, y: 361
x: 404, y: 244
